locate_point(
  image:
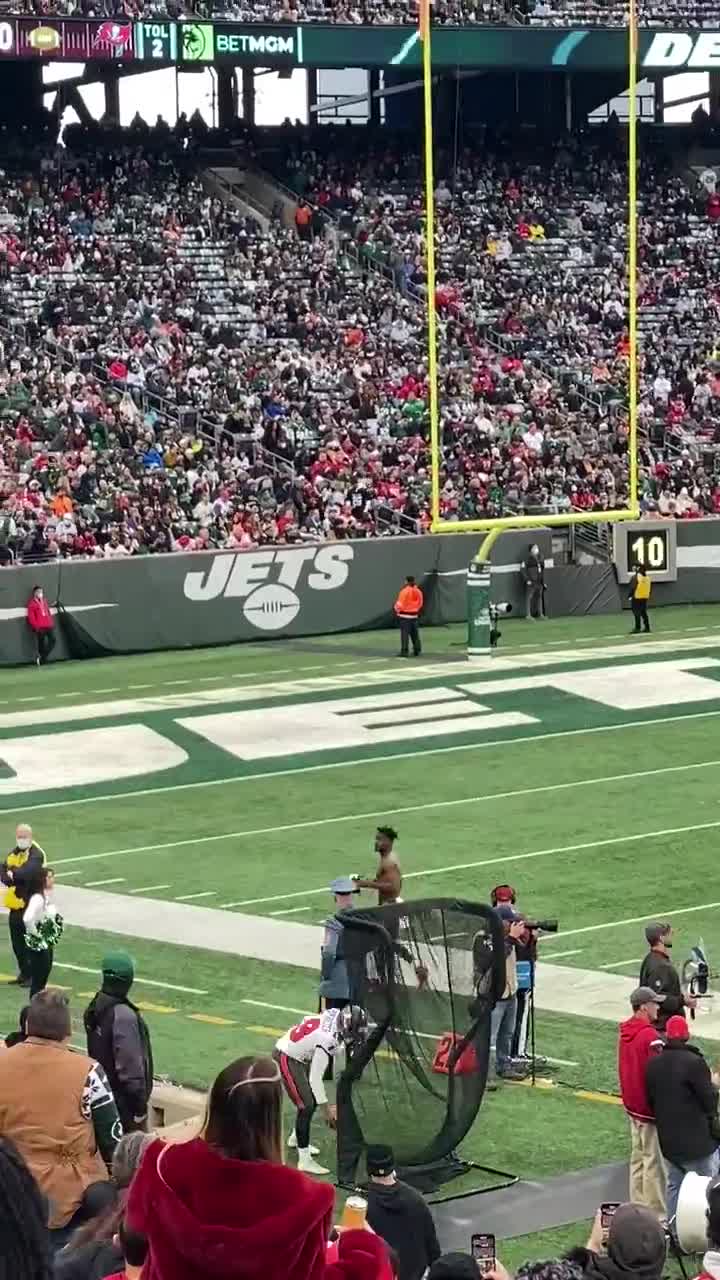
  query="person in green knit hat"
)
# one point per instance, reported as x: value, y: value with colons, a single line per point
x: 119, y: 1039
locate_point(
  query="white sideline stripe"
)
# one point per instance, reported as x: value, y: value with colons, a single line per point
x: 188, y: 897
x: 388, y: 757
x: 561, y: 955
x: 66, y: 874
x: 614, y: 964
x: 521, y: 857
x: 289, y: 911
x: 148, y: 982
x: 373, y: 813
x: 603, y: 648
x: 95, y: 884
x: 146, y: 888
x: 652, y: 915
x: 422, y: 1035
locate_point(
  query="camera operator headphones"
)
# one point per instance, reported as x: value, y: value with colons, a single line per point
x: 503, y: 893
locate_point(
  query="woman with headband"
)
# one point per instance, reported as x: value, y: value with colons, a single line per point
x: 224, y: 1207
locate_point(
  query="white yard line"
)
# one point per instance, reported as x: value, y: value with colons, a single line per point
x: 189, y: 897
x: 95, y: 884
x: 373, y: 813
x: 659, y: 914
x: 385, y: 759
x: 145, y: 888
x: 289, y: 911
x: 562, y: 955
x: 516, y: 857
x: 85, y: 694
x: 148, y: 982
x: 614, y: 964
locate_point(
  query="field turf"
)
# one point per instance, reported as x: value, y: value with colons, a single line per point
x: 583, y: 767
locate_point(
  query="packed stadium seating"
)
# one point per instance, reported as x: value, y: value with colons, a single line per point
x: 556, y: 13
x: 248, y: 383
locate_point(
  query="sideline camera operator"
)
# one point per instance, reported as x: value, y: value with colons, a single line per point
x: 660, y: 975
x: 525, y: 958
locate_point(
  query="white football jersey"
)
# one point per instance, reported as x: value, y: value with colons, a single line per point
x: 318, y: 1032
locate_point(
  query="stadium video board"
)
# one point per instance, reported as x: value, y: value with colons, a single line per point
x: 320, y: 45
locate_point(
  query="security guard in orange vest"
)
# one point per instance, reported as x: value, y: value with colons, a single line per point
x: 640, y: 588
x: 408, y: 608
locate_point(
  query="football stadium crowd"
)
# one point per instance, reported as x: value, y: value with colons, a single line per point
x: 560, y: 13
x: 178, y: 374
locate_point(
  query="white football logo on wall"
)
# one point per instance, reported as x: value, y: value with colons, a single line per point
x: 267, y: 580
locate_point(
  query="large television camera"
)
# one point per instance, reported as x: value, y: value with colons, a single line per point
x: 497, y: 611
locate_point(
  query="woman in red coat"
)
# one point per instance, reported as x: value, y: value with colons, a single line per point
x: 224, y: 1207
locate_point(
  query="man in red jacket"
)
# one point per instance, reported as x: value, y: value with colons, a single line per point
x: 639, y: 1040
x: 40, y: 621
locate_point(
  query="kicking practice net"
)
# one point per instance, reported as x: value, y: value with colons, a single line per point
x: 428, y: 974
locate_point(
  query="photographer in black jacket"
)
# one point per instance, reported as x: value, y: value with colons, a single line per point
x: 660, y: 975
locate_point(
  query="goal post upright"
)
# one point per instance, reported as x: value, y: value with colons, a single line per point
x: 493, y: 527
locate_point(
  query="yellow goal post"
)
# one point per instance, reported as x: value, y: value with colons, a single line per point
x: 632, y: 512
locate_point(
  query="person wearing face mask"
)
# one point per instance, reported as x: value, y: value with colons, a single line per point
x: 19, y: 872
x: 660, y: 975
x: 40, y: 622
x: 533, y: 571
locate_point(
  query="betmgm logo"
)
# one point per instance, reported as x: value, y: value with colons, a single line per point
x: 269, y: 581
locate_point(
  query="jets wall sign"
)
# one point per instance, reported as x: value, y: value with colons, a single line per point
x: 268, y: 582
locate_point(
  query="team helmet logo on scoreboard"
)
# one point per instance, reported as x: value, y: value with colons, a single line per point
x: 44, y: 39
x: 115, y: 34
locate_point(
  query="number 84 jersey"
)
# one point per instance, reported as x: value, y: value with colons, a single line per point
x: 320, y: 1032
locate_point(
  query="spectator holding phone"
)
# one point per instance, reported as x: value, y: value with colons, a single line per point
x: 633, y: 1247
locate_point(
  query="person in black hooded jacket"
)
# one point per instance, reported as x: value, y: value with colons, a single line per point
x: 118, y: 1038
x: 684, y: 1099
x: 399, y: 1215
x: 636, y: 1247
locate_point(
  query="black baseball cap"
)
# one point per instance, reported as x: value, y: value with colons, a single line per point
x: 380, y: 1160
x: 454, y: 1266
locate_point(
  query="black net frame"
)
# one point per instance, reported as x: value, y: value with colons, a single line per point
x: 428, y: 974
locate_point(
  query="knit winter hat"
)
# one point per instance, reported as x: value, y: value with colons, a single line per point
x: 118, y: 964
x: 636, y: 1240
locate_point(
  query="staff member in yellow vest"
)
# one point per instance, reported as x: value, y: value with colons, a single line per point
x: 20, y: 871
x: 640, y: 588
x: 408, y: 608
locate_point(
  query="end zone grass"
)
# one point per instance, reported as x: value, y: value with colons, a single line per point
x: 567, y: 820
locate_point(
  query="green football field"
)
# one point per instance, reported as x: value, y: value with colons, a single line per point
x: 580, y: 764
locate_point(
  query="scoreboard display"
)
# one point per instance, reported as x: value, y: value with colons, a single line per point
x: 117, y: 40
x: 156, y: 41
x: 649, y: 543
x: 58, y: 39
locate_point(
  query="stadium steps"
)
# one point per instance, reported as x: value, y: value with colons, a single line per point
x: 529, y: 1206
